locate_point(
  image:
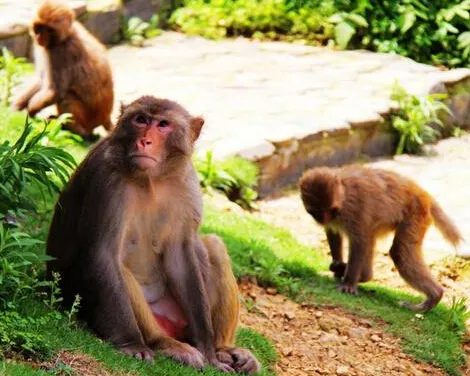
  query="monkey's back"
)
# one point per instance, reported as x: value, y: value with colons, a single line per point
x: 88, y: 71
x: 381, y: 198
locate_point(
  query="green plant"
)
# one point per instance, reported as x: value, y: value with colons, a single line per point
x: 262, y: 19
x: 346, y: 26
x: 136, y: 30
x: 234, y: 176
x: 19, y: 266
x: 415, y: 117
x: 19, y: 334
x: 458, y: 314
x: 27, y: 165
x: 11, y: 69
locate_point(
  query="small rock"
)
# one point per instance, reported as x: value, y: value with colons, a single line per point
x: 252, y: 294
x: 375, y: 338
x: 318, y: 314
x: 358, y: 333
x: 332, y: 354
x: 342, y: 370
x: 327, y: 323
x: 271, y: 291
x: 286, y: 351
x: 329, y: 339
x: 289, y: 315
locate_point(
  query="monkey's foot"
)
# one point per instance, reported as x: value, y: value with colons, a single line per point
x: 137, y: 351
x: 338, y: 268
x: 241, y: 360
x: 181, y: 352
x: 348, y: 289
x: 424, y: 306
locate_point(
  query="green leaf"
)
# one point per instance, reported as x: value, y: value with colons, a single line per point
x: 407, y: 21
x: 357, y: 19
x: 343, y: 34
x: 464, y: 40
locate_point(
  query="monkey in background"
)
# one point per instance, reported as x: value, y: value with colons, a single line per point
x: 125, y: 237
x: 72, y: 71
x: 363, y: 204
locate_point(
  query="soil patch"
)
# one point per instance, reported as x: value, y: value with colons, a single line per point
x: 67, y: 363
x: 325, y: 341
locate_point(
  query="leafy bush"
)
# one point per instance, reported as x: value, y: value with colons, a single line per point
x: 136, y: 30
x: 416, y: 120
x: 28, y: 165
x: 20, y: 334
x: 263, y: 19
x: 427, y: 31
x: 234, y: 176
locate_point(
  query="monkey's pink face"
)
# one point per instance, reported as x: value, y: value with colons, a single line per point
x: 149, y: 148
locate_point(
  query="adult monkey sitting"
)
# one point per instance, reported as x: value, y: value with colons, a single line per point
x: 125, y: 237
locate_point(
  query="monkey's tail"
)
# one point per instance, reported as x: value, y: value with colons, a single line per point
x: 445, y: 225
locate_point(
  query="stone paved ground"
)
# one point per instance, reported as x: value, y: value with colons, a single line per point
x: 257, y: 94
x: 277, y: 102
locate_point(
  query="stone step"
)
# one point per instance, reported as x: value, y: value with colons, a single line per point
x: 287, y: 107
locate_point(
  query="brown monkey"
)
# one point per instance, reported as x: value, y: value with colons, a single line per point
x: 125, y: 237
x: 364, y: 203
x: 72, y: 70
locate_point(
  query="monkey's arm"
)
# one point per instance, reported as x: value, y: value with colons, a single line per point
x: 335, y: 241
x: 22, y: 100
x: 41, y: 99
x: 360, y: 253
x: 185, y: 273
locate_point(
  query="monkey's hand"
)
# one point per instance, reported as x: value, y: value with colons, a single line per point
x: 338, y: 268
x: 137, y: 351
x: 241, y: 360
x: 182, y: 352
x: 221, y: 365
x: 348, y: 289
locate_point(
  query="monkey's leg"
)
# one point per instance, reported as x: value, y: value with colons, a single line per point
x: 152, y: 333
x: 407, y: 255
x: 335, y: 241
x: 225, y: 307
x: 22, y: 100
x: 80, y: 118
x: 360, y: 253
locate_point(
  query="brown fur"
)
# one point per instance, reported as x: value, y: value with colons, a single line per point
x: 72, y: 68
x: 125, y: 235
x: 365, y: 203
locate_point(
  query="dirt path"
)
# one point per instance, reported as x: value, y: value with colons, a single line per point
x: 325, y: 341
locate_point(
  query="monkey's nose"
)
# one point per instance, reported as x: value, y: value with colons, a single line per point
x: 143, y: 143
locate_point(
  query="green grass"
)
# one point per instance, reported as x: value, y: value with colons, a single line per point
x: 62, y: 336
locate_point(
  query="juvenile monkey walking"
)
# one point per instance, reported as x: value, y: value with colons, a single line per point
x: 364, y: 203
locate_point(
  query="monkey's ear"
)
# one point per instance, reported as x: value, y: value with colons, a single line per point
x: 122, y: 107
x: 338, y: 195
x: 196, y: 126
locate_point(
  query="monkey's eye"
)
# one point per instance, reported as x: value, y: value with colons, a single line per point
x: 141, y: 119
x: 163, y: 124
x: 334, y: 212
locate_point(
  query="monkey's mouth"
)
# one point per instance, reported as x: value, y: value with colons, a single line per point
x: 143, y: 161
